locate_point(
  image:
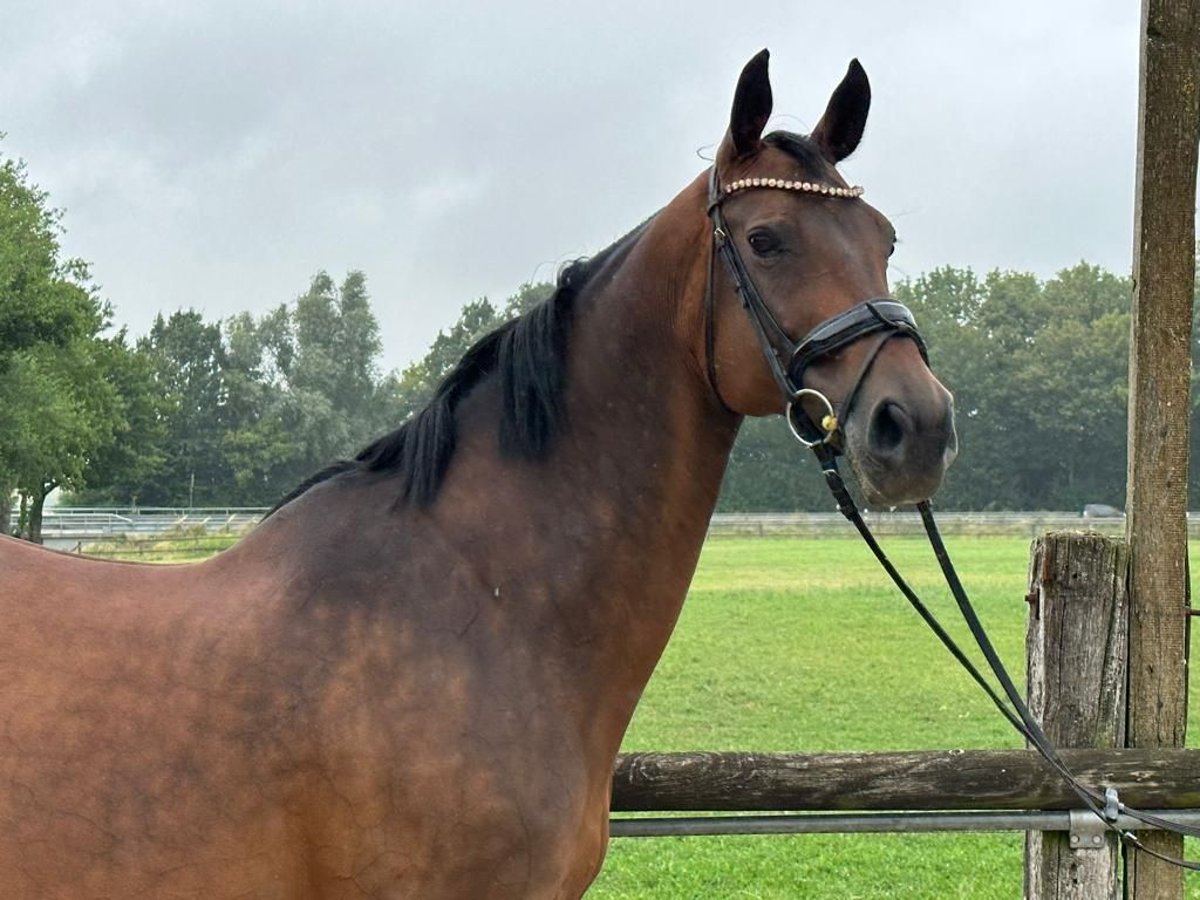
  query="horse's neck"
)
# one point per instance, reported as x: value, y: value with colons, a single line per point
x: 642, y: 414
x: 613, y: 520
x: 587, y: 553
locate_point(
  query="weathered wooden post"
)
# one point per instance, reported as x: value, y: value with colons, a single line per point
x: 1159, y: 379
x: 1076, y: 666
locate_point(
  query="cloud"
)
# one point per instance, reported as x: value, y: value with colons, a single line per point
x: 217, y: 154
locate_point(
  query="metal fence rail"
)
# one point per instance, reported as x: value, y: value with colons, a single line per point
x: 1080, y: 823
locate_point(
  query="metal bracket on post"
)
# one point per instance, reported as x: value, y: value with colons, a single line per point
x: 1087, y: 830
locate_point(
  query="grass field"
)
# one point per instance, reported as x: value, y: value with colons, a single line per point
x: 794, y: 644
x: 803, y: 645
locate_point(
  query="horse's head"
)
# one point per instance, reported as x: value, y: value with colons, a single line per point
x: 808, y: 258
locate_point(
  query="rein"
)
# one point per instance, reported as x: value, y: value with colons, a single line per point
x: 788, y: 360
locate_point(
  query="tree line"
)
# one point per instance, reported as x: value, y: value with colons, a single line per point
x: 236, y: 412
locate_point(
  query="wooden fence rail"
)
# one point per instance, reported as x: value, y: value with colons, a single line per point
x: 904, y: 780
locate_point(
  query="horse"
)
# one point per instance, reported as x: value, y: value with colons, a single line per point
x: 412, y: 679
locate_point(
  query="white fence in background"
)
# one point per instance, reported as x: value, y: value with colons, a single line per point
x: 66, y: 527
x: 1023, y: 524
x: 69, y: 526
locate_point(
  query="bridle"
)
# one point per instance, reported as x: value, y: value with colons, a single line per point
x: 788, y: 359
x: 884, y: 318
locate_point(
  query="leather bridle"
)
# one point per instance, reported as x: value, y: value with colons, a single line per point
x: 788, y: 361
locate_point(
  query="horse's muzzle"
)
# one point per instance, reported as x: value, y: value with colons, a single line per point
x: 902, y: 443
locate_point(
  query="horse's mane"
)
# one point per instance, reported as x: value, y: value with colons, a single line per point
x: 528, y: 354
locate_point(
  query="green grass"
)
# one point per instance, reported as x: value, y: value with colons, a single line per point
x: 804, y: 645
x: 791, y: 644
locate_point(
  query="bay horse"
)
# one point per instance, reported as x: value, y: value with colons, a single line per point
x: 412, y: 679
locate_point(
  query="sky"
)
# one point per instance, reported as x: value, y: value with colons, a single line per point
x: 217, y: 154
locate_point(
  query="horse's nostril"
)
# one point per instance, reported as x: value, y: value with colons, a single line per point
x: 888, y: 427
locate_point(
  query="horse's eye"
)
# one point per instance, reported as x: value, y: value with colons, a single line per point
x: 763, y: 242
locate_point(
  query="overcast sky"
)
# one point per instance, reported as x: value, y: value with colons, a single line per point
x: 216, y: 154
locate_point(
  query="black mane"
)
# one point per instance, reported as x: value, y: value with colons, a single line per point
x: 528, y: 353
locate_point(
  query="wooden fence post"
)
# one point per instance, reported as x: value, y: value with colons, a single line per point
x: 1075, y: 647
x: 1159, y: 381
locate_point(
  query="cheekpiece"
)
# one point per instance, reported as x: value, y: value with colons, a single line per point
x: 808, y: 187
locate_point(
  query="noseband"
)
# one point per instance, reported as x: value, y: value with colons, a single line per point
x: 789, y: 359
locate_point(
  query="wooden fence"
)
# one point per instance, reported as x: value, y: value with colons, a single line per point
x: 1077, y: 643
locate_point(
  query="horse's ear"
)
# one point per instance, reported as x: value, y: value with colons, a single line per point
x: 751, y: 105
x: 841, y: 128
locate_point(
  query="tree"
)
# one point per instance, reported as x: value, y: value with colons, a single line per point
x: 245, y: 409
x: 188, y: 358
x: 330, y: 400
x: 1038, y: 373
x: 61, y: 411
x: 1074, y: 381
x: 116, y: 472
x: 257, y: 444
x: 57, y: 409
x: 44, y: 298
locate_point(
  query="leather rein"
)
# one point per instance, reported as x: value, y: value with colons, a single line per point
x: 887, y: 318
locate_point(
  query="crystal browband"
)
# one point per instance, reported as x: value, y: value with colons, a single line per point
x: 810, y: 187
